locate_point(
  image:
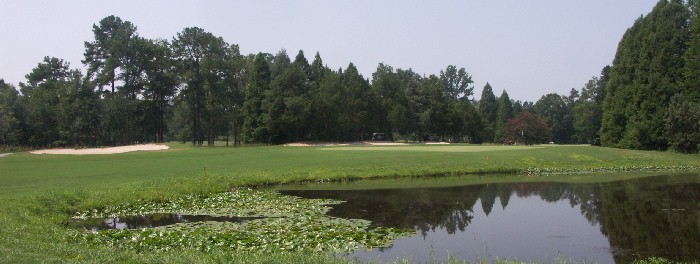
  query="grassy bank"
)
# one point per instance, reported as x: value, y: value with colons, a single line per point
x: 27, y: 173
x: 39, y: 192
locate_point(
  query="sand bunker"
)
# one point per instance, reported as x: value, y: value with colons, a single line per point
x: 316, y: 144
x: 102, y: 151
x: 382, y: 143
x: 358, y: 143
x: 5, y: 154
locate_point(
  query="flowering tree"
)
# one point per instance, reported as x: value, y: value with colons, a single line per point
x: 526, y: 128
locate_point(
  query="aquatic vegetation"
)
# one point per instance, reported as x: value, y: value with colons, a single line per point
x: 548, y: 171
x: 654, y: 260
x: 289, y: 224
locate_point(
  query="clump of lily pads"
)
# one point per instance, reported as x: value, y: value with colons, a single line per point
x: 559, y: 171
x: 289, y: 224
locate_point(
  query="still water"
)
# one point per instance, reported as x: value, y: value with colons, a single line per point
x: 613, y: 222
x: 152, y: 220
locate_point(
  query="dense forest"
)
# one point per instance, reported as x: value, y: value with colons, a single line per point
x: 198, y: 88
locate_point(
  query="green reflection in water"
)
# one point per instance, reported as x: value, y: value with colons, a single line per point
x: 641, y: 215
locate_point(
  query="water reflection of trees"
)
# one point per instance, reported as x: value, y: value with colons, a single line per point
x: 655, y: 217
x: 426, y: 209
x: 422, y: 209
x: 648, y: 217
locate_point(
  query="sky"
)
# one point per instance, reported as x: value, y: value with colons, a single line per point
x: 529, y: 48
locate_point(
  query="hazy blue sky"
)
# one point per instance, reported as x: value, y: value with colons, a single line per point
x: 528, y: 48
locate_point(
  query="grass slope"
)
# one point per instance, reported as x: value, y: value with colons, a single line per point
x: 24, y: 172
x: 39, y: 192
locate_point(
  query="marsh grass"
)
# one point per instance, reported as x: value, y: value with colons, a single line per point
x: 39, y: 193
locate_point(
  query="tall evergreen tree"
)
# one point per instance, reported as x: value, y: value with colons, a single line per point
x: 329, y: 107
x: 416, y: 103
x: 279, y: 63
x: 46, y: 85
x: 259, y: 80
x: 647, y: 70
x: 517, y: 107
x: 198, y: 52
x: 356, y: 108
x: 504, y: 112
x: 488, y: 107
x: 436, y: 117
x: 108, y: 55
x: 82, y: 111
x: 388, y: 106
x: 302, y: 63
x: 10, y: 131
x: 682, y: 124
x: 161, y: 85
x: 472, y: 123
x: 286, y: 105
x: 319, y: 112
x: 691, y: 70
x: 588, y: 110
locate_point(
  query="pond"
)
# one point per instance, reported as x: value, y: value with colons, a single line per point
x: 612, y: 222
x: 152, y: 220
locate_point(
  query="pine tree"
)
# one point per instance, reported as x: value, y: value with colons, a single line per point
x: 691, y: 72
x: 258, y: 83
x: 505, y: 112
x: 488, y: 107
x: 10, y: 132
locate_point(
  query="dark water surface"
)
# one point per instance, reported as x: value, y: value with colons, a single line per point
x: 613, y: 222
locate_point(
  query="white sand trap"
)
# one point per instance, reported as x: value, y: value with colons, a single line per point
x: 4, y: 154
x: 334, y: 144
x: 102, y: 151
x: 382, y: 143
x: 357, y: 143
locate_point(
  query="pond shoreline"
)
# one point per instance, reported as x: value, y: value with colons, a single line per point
x: 532, y: 172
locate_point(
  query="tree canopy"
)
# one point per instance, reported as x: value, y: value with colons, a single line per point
x: 648, y: 69
x: 196, y: 87
x: 526, y: 128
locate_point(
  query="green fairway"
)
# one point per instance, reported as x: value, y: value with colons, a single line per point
x: 434, y: 148
x: 24, y: 172
x: 40, y: 192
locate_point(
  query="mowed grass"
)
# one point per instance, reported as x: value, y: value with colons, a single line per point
x: 38, y: 193
x: 25, y: 172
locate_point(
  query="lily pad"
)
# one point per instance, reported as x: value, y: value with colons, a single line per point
x: 287, y: 223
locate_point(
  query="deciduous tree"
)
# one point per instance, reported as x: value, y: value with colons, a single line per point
x: 526, y: 128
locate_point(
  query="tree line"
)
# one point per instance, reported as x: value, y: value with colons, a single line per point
x: 654, y: 83
x: 198, y: 88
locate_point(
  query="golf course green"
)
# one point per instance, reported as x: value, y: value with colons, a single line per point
x: 40, y: 193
